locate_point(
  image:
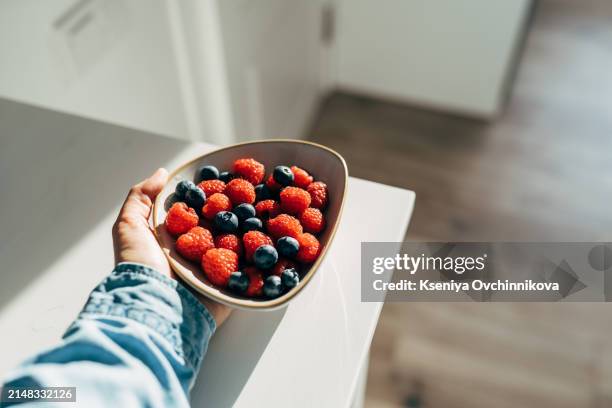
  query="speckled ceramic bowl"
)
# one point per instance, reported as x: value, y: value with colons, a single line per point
x: 323, y: 163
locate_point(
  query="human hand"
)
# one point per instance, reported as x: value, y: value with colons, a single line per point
x: 133, y: 239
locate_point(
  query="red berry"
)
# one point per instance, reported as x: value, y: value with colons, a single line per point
x: 301, y: 178
x: 272, y: 184
x: 256, y: 281
x: 309, y: 248
x: 294, y: 200
x: 211, y: 187
x: 240, y: 191
x: 281, y: 265
x: 250, y: 170
x: 218, y: 265
x: 229, y: 241
x: 181, y: 219
x: 253, y: 240
x: 267, y: 209
x: 195, y: 243
x: 318, y: 193
x: 312, y: 220
x: 284, y: 225
x: 215, y: 203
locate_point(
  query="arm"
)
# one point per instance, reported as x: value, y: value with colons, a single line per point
x: 140, y: 339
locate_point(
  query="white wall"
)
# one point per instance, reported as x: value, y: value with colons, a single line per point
x: 112, y: 60
x: 271, y: 49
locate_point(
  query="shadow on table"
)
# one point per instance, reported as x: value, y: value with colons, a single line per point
x: 61, y: 175
x: 232, y: 356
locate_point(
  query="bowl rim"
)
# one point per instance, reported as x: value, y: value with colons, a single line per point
x: 246, y: 303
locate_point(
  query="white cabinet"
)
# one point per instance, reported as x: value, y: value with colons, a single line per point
x: 111, y: 60
x: 447, y: 54
x: 209, y: 70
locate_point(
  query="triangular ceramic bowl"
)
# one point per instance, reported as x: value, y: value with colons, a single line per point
x: 323, y: 163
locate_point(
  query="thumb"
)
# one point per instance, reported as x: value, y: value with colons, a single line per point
x: 154, y: 184
x: 137, y: 205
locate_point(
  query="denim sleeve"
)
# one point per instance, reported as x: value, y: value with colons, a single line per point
x: 139, y: 341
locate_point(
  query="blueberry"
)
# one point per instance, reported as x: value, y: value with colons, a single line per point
x: 182, y: 187
x: 238, y: 282
x: 290, y: 278
x: 226, y: 221
x: 288, y: 247
x: 265, y: 257
x: 272, y: 286
x: 226, y: 176
x: 195, y: 198
x: 262, y: 192
x: 209, y: 173
x: 283, y: 175
x: 252, y: 224
x: 244, y: 211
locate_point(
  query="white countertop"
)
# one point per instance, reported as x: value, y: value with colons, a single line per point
x: 57, y: 210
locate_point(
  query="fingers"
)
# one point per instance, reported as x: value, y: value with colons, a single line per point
x: 219, y: 311
x: 149, y: 188
x: 154, y: 184
x: 139, y: 200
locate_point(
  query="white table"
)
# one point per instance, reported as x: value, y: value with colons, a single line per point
x: 63, y: 179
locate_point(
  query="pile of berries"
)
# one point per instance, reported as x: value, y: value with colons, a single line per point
x: 251, y: 234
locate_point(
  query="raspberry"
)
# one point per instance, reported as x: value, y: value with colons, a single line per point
x: 309, y: 248
x: 229, y: 241
x: 216, y: 202
x: 256, y: 281
x: 301, y: 178
x: 312, y: 220
x: 240, y: 191
x: 284, y: 225
x: 211, y: 187
x: 181, y: 219
x: 218, y: 265
x: 267, y: 209
x: 294, y: 200
x: 253, y: 240
x: 281, y: 265
x: 318, y: 193
x: 250, y: 170
x: 195, y: 243
x: 272, y: 184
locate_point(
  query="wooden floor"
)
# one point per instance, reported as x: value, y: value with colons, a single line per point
x: 542, y: 171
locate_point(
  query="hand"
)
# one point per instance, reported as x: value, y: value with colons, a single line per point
x: 134, y: 241
x: 132, y: 237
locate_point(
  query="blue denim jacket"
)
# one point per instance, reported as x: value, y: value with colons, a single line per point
x: 139, y: 341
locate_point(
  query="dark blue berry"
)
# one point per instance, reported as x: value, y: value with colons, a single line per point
x: 272, y: 286
x: 283, y: 175
x: 244, y: 211
x: 265, y: 257
x: 290, y: 278
x: 209, y: 173
x: 226, y: 176
x: 288, y: 247
x: 195, y: 198
x: 262, y: 192
x: 252, y: 224
x: 238, y: 282
x: 182, y: 187
x: 226, y: 221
